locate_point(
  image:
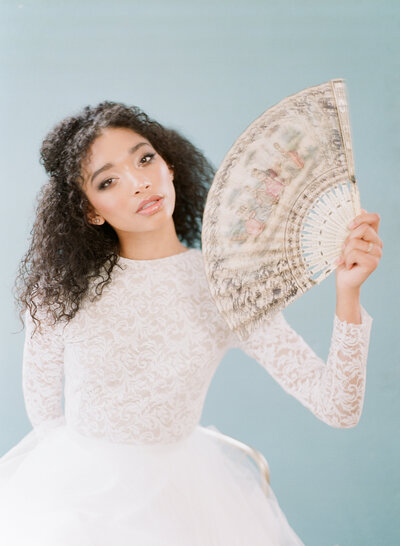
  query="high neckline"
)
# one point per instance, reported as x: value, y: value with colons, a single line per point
x: 172, y: 257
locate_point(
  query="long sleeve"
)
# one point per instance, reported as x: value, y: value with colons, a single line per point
x: 332, y: 391
x: 42, y: 374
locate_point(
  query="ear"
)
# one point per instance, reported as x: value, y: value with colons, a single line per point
x: 94, y: 218
x: 91, y: 216
x: 171, y: 170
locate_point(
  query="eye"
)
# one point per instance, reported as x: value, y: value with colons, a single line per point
x: 103, y: 184
x: 148, y: 155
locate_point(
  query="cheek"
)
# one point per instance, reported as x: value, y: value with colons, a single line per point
x: 167, y: 186
x: 110, y: 204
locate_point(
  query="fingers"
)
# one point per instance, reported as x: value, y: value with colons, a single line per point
x: 369, y: 260
x: 361, y: 245
x: 366, y: 232
x: 356, y: 251
x: 363, y: 231
x: 371, y: 218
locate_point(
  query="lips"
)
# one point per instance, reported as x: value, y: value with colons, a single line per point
x: 149, y: 200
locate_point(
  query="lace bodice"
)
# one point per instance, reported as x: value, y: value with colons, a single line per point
x: 135, y: 365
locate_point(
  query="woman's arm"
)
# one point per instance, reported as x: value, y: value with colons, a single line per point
x: 332, y: 391
x: 42, y: 374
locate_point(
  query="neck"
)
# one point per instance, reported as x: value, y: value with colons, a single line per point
x: 150, y: 245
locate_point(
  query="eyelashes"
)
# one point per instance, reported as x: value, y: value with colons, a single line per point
x: 102, y: 185
x: 150, y: 155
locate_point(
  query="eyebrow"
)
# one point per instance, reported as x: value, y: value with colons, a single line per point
x: 109, y: 165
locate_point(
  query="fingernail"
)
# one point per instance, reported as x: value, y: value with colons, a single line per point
x: 351, y: 224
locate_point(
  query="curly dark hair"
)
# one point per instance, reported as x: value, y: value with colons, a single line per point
x: 66, y: 250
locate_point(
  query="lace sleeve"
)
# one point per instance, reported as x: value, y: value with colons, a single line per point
x: 42, y: 374
x: 333, y: 392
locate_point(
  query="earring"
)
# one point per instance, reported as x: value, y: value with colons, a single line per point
x: 97, y: 220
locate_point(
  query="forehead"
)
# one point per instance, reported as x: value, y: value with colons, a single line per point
x: 115, y: 139
x: 111, y: 145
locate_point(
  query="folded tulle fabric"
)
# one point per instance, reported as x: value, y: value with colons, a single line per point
x: 66, y: 489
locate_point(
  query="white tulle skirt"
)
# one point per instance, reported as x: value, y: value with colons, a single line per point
x: 65, y: 489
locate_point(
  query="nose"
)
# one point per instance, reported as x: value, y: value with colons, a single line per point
x: 141, y: 185
x: 138, y: 181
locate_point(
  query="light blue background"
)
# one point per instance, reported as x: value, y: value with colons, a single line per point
x: 209, y: 69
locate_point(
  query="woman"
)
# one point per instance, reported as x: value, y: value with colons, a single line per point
x: 117, y: 305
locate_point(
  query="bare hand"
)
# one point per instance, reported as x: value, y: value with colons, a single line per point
x: 361, y: 252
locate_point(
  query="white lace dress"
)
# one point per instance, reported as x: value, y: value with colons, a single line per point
x: 127, y: 462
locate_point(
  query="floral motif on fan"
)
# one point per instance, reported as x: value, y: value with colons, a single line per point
x: 277, y: 211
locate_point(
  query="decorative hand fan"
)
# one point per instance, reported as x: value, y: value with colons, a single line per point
x: 277, y: 211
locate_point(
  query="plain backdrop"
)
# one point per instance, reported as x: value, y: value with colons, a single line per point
x: 208, y: 69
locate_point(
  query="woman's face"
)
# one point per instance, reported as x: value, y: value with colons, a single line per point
x: 122, y: 170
